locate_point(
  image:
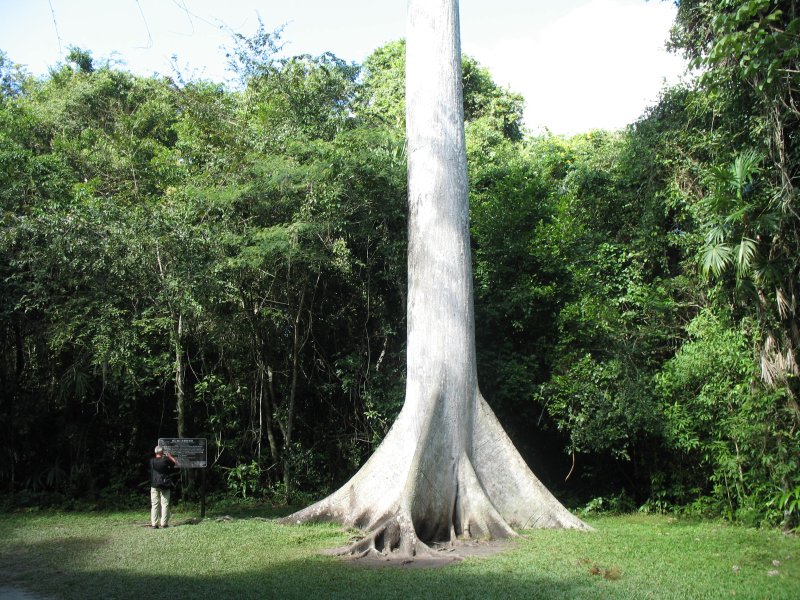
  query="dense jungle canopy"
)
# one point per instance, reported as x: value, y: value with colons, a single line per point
x: 182, y: 258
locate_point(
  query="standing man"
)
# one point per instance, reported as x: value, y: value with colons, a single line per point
x: 162, y: 465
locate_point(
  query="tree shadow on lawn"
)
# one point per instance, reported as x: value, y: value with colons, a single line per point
x: 302, y: 581
x: 55, y: 568
x: 45, y: 562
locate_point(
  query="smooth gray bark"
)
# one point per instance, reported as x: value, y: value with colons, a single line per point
x: 446, y: 469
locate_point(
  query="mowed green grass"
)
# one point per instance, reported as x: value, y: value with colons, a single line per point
x: 112, y: 555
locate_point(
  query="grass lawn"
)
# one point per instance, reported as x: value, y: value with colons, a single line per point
x: 113, y: 555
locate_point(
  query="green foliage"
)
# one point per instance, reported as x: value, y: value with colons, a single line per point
x: 81, y: 59
x: 788, y: 501
x: 723, y: 422
x: 253, y: 56
x: 591, y: 402
x: 173, y: 249
x: 749, y: 55
x: 382, y: 97
x: 614, y: 305
x: 737, y: 216
x: 784, y: 508
x: 231, y: 263
x: 755, y: 39
x: 484, y: 100
x: 12, y: 77
x: 244, y: 480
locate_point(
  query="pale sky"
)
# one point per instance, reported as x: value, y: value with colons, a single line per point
x: 580, y: 64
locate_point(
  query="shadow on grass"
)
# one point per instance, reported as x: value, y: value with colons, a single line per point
x: 55, y: 568
x: 299, y: 580
x: 46, y: 560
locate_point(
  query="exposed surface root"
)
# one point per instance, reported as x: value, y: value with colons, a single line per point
x: 436, y: 555
x: 394, y: 539
x: 425, y: 485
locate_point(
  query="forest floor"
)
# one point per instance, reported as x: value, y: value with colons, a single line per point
x: 247, y: 555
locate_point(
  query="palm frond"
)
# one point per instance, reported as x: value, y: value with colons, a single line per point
x: 716, y: 234
x: 716, y: 258
x: 746, y: 251
x: 721, y: 177
x: 744, y: 167
x: 787, y: 303
x: 738, y: 215
x: 768, y: 222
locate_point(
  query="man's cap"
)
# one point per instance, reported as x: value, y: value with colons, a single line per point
x: 159, y: 450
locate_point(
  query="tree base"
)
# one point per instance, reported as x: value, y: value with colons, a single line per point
x: 418, y: 501
x: 370, y: 551
x: 394, y: 539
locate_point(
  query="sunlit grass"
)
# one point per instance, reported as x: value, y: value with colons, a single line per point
x: 113, y: 555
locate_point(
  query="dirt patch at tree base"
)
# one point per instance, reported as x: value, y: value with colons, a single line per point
x: 444, y: 555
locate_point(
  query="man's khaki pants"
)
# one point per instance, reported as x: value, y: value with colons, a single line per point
x: 159, y: 503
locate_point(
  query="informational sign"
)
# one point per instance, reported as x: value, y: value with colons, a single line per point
x: 190, y: 453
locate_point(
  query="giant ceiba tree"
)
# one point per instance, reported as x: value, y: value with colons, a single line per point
x: 446, y: 469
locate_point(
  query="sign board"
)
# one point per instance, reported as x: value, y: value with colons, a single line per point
x: 189, y: 452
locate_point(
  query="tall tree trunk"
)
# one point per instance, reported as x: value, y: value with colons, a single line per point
x: 273, y: 444
x: 298, y: 342
x: 11, y: 372
x: 180, y: 372
x: 446, y: 469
